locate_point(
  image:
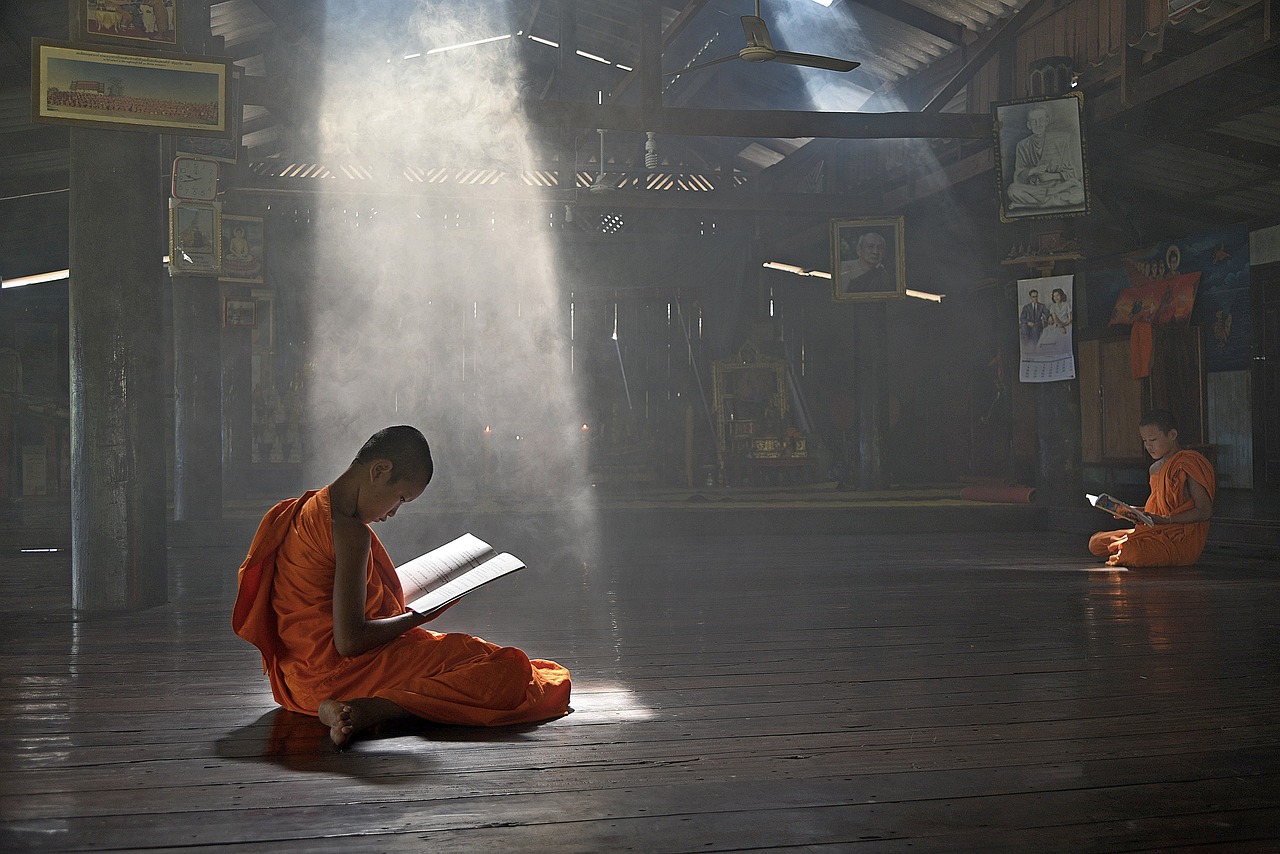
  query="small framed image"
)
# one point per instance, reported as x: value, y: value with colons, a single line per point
x: 868, y: 261
x: 195, y: 236
x: 242, y: 249
x: 239, y: 313
x: 149, y: 22
x: 125, y: 89
x: 1040, y: 158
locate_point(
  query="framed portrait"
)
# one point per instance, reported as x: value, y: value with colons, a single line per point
x: 1040, y: 157
x: 195, y: 238
x: 239, y: 313
x: 139, y: 22
x: 129, y: 90
x: 242, y: 249
x: 868, y: 261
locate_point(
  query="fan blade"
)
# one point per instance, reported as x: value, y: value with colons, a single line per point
x: 812, y: 60
x: 756, y: 31
x: 701, y: 65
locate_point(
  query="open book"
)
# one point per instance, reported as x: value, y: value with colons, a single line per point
x: 446, y: 574
x: 1116, y: 507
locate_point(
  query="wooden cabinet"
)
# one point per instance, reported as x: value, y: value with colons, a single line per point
x: 1111, y: 402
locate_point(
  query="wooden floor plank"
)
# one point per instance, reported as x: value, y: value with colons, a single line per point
x: 952, y: 692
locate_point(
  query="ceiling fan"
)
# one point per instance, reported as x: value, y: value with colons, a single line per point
x: 760, y: 49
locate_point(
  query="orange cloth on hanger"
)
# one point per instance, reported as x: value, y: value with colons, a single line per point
x: 284, y: 607
x: 1178, y: 544
x: 1141, y: 347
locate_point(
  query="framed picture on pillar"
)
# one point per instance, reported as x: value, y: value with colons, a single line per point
x: 239, y: 313
x: 868, y: 261
x: 1040, y: 158
x: 195, y: 238
x: 150, y: 22
x: 123, y: 89
x: 242, y: 252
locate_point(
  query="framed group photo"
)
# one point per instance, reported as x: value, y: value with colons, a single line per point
x: 141, y: 22
x: 868, y: 259
x: 124, y: 89
x: 1040, y: 157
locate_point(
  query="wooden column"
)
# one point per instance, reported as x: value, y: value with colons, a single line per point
x: 870, y: 393
x: 1059, y: 471
x: 197, y: 356
x: 118, y: 538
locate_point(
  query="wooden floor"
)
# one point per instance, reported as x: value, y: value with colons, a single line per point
x: 969, y: 692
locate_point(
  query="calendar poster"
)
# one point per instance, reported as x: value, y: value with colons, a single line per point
x: 1045, y: 322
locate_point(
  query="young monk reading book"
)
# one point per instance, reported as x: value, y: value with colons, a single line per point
x: 319, y: 596
x: 1180, y: 504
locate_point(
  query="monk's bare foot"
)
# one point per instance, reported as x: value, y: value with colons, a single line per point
x: 337, y: 715
x: 347, y: 718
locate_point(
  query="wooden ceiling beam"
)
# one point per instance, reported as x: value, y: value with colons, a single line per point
x: 1108, y: 144
x: 767, y: 124
x: 984, y: 54
x: 674, y: 29
x: 914, y: 16
x: 730, y: 200
x: 1230, y: 50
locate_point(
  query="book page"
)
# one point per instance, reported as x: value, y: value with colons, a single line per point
x: 437, y: 566
x: 464, y: 583
x: 1116, y: 507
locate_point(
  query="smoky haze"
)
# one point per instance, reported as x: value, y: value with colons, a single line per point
x: 441, y: 310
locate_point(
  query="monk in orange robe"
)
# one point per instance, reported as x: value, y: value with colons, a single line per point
x: 1181, y: 503
x: 319, y: 596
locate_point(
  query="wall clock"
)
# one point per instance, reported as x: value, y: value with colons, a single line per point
x: 195, y: 179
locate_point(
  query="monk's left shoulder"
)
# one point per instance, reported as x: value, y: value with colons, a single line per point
x: 1197, y: 466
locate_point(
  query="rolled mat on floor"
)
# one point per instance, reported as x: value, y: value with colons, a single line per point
x: 999, y: 493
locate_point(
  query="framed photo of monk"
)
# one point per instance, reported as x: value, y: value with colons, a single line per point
x: 195, y: 238
x: 1040, y: 157
x: 126, y: 89
x: 139, y: 22
x: 240, y: 313
x: 868, y: 261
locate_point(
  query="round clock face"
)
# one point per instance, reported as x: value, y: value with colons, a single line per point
x: 195, y: 178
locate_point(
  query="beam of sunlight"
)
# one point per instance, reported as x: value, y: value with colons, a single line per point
x: 446, y: 313
x: 608, y: 703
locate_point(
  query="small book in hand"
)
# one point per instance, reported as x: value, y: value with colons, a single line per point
x: 444, y: 575
x: 1116, y: 507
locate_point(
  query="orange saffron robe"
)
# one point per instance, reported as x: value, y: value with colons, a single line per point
x: 1178, y: 544
x: 284, y: 606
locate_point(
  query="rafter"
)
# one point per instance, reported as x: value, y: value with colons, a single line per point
x: 674, y: 29
x: 762, y: 123
x: 914, y: 16
x: 984, y: 54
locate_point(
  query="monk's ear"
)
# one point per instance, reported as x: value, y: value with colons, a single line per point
x: 379, y: 469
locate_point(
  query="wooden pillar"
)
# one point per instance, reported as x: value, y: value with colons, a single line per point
x: 116, y: 227
x: 871, y: 393
x: 197, y: 350
x: 1059, y: 475
x: 237, y: 408
x: 197, y: 399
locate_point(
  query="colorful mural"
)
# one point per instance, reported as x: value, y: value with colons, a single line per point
x: 1203, y: 280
